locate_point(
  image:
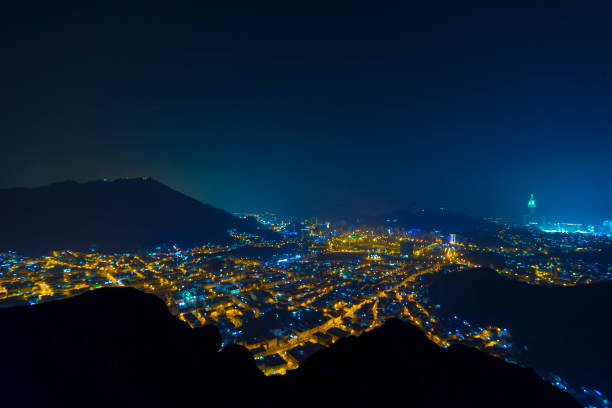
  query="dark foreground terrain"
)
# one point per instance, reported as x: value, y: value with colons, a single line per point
x: 120, y: 347
x: 567, y: 330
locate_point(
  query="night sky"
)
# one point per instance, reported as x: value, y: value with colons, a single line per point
x: 330, y: 110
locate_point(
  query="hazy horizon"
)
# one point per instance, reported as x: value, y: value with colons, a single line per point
x: 362, y: 109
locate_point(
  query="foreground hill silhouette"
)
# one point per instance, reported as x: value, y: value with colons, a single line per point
x: 121, y: 347
x: 126, y: 214
x: 567, y: 330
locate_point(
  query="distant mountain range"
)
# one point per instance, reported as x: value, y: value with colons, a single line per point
x: 445, y: 221
x: 120, y: 215
x: 442, y: 220
x: 118, y: 347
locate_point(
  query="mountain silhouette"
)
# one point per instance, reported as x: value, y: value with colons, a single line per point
x: 566, y: 330
x: 121, y: 215
x: 121, y: 347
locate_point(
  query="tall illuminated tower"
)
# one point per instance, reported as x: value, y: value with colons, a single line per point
x: 531, y: 219
x: 531, y: 205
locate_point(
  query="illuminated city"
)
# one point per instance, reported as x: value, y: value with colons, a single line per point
x: 534, y: 221
x: 318, y: 204
x: 286, y: 300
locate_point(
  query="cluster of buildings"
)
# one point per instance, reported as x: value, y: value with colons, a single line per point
x: 536, y: 221
x: 281, y: 301
x: 286, y: 300
x: 549, y: 259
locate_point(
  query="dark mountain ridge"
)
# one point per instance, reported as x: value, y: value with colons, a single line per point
x: 121, y: 347
x: 567, y: 330
x: 121, y: 215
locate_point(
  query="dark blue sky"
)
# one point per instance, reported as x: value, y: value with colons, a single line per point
x: 318, y: 110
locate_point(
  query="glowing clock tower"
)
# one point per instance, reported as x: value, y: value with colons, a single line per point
x: 531, y: 220
x: 531, y: 205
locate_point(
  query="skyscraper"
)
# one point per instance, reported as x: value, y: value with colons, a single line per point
x: 531, y: 219
x: 531, y: 205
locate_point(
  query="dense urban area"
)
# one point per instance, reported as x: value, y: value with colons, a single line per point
x: 286, y: 299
